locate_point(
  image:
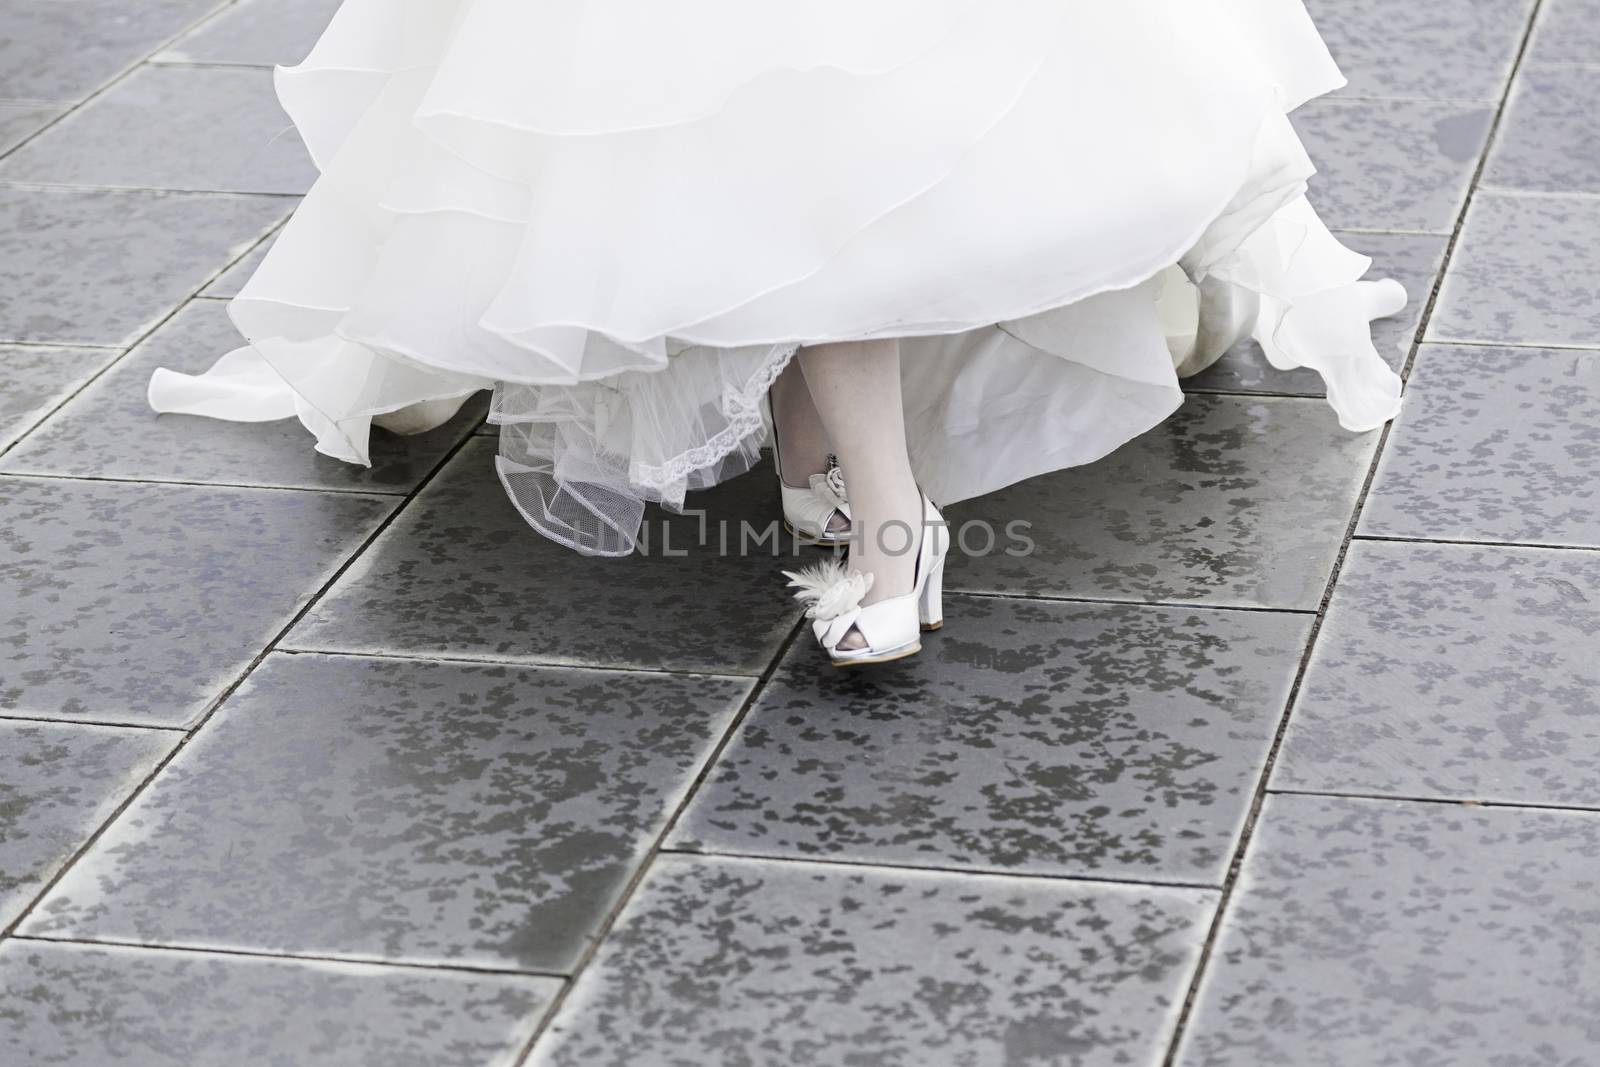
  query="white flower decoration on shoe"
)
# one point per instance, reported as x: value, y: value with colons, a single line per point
x: 832, y: 597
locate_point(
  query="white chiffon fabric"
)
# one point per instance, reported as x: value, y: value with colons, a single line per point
x: 625, y: 217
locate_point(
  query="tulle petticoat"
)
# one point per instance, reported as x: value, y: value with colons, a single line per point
x: 625, y: 217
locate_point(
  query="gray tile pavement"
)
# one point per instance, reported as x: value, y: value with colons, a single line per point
x: 36, y: 378
x: 1042, y: 738
x: 19, y: 121
x: 1454, y: 671
x: 1568, y: 31
x: 1237, y: 501
x: 102, y: 267
x: 1495, y: 444
x: 739, y: 961
x: 88, y: 1006
x: 1375, y: 932
x: 140, y: 603
x: 1440, y: 50
x: 255, y: 33
x: 1551, y: 139
x: 438, y: 813
x: 1393, y: 164
x: 231, y: 281
x: 106, y: 430
x: 1526, y: 271
x: 197, y: 129
x: 63, y: 51
x: 460, y: 575
x: 59, y: 783
x: 448, y: 795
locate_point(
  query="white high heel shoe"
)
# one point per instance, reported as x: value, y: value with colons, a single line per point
x: 808, y: 513
x: 892, y: 628
x: 809, y: 510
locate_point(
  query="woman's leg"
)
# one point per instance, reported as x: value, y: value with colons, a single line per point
x: 856, y: 389
x: 802, y: 440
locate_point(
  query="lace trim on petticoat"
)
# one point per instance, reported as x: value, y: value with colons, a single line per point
x: 744, y: 413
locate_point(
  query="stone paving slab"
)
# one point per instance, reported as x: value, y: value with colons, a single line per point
x: 1550, y: 138
x: 21, y: 121
x: 201, y: 129
x: 1414, y: 260
x: 231, y: 281
x: 88, y: 1006
x: 459, y: 575
x: 259, y: 33
x: 1526, y: 271
x: 109, y: 431
x: 437, y: 813
x: 53, y: 50
x: 34, y: 379
x: 1439, y: 50
x: 1393, y: 164
x: 1568, y: 32
x: 100, y: 267
x: 1234, y: 501
x: 139, y: 603
x: 1379, y: 933
x: 1454, y: 671
x: 58, y: 784
x: 1494, y: 444
x: 782, y: 965
x: 1092, y: 740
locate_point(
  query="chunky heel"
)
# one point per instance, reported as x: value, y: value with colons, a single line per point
x: 930, y: 605
x: 891, y: 628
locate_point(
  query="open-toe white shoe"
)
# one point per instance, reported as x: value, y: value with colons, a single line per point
x: 891, y: 628
x: 809, y: 512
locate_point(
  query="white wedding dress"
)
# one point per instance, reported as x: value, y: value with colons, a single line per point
x: 624, y: 217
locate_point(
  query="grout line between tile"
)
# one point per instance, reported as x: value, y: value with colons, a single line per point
x: 1560, y: 64
x: 1247, y: 832
x: 490, y: 661
x: 60, y: 345
x: 1456, y: 101
x: 425, y: 656
x: 1513, y: 192
x: 30, y: 476
x: 72, y: 108
x: 1470, y: 543
x: 87, y: 187
x: 302, y: 957
x: 12, y: 716
x: 208, y: 64
x: 228, y: 690
x: 1181, y: 605
x: 1383, y: 231
x: 1450, y: 802
x: 141, y: 338
x: 115, y: 480
x: 973, y: 872
x: 1203, y: 390
x: 603, y: 929
x: 1531, y: 346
